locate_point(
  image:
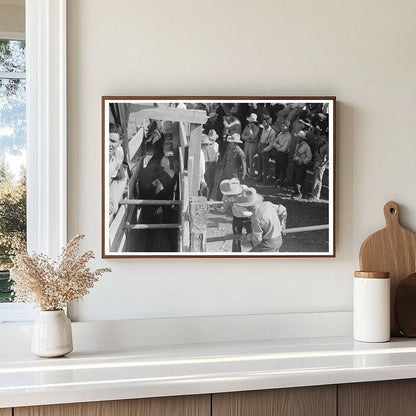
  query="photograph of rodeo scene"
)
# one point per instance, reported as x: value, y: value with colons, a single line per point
x: 218, y: 177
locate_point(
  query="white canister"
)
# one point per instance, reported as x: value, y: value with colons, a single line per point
x: 371, y: 307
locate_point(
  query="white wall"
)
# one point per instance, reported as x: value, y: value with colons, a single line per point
x: 363, y: 52
x: 12, y: 18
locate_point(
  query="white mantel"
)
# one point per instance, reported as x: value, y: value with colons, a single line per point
x: 154, y: 371
x: 179, y: 356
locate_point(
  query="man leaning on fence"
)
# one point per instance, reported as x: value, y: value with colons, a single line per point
x: 268, y: 221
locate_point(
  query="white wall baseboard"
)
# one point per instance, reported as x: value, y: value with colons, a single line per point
x: 103, y: 335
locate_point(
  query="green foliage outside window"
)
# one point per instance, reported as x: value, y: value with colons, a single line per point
x: 12, y: 223
x: 12, y: 147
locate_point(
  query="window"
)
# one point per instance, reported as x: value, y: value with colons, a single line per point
x: 45, y: 27
x: 12, y: 153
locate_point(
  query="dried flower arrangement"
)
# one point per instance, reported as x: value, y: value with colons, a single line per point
x: 53, y: 285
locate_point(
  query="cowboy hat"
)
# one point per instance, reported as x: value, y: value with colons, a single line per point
x: 249, y: 198
x: 235, y: 138
x: 212, y: 135
x: 252, y: 118
x: 205, y: 139
x: 231, y: 187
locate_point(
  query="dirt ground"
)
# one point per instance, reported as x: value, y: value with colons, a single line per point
x: 301, y: 213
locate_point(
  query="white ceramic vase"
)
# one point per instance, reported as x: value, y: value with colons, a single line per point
x: 52, y: 334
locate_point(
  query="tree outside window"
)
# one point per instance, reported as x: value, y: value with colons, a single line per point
x: 12, y: 156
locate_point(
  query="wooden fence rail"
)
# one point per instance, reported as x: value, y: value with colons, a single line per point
x: 151, y: 226
x: 149, y: 202
x: 287, y: 231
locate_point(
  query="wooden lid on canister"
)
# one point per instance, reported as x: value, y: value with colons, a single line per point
x: 372, y: 275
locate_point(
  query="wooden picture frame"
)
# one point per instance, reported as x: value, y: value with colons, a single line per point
x: 162, y: 135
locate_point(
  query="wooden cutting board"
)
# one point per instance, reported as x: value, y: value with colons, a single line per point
x: 405, y: 306
x: 393, y: 250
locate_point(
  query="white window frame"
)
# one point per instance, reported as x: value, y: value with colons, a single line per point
x: 46, y: 127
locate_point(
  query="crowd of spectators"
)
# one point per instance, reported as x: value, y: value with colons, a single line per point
x: 278, y: 142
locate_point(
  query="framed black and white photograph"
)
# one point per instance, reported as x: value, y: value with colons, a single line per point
x: 218, y: 176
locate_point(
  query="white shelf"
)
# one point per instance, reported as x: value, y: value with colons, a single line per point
x: 150, y: 371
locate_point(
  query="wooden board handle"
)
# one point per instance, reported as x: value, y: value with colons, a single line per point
x: 391, y: 214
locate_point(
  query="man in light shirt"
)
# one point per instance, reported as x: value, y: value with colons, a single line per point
x: 281, y: 146
x: 232, y: 190
x: 320, y: 161
x: 267, y: 136
x: 116, y: 153
x: 250, y: 137
x: 210, y: 149
x: 267, y: 223
x: 301, y: 159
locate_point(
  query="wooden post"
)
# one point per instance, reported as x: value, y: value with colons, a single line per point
x: 183, y: 135
x: 198, y: 220
x: 149, y: 202
x: 172, y: 114
x: 176, y: 144
x: 194, y: 159
x: 184, y: 243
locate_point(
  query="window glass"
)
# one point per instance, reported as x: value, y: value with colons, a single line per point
x: 12, y: 157
x: 12, y: 56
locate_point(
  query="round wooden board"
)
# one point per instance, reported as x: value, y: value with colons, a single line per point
x: 405, y: 306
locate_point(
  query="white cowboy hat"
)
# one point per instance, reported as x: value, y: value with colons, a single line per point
x: 212, y: 135
x: 235, y: 138
x: 231, y: 187
x: 249, y: 198
x: 252, y: 118
x: 205, y: 139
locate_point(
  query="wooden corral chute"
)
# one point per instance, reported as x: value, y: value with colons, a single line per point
x: 186, y: 134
